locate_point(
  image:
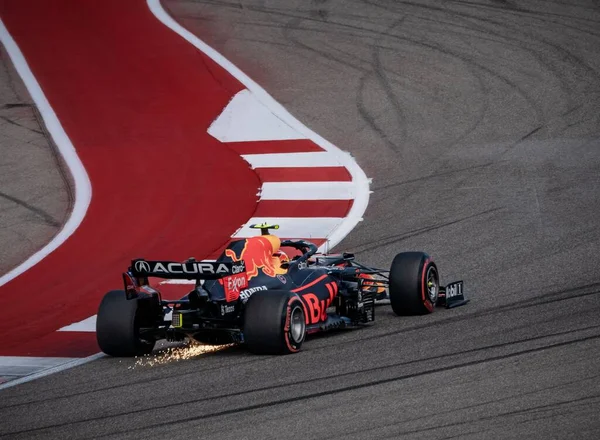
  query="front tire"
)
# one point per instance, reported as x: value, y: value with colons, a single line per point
x: 274, y: 322
x: 414, y: 284
x: 118, y: 326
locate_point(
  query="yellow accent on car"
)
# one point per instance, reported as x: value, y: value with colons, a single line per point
x: 264, y: 226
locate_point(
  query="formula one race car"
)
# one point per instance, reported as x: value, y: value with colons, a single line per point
x: 254, y: 295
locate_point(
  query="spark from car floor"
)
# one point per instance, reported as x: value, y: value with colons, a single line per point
x: 175, y: 354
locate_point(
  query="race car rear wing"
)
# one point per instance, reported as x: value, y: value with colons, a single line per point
x: 189, y: 270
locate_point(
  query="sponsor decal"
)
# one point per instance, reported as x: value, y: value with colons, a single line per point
x: 317, y: 308
x: 292, y: 345
x: 454, y: 289
x: 282, y: 279
x: 225, y: 309
x: 189, y: 268
x: 142, y: 266
x: 245, y: 294
x: 233, y: 285
x: 288, y: 318
x: 238, y: 268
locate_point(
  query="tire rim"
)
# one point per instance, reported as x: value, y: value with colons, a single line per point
x: 433, y: 284
x: 297, y: 325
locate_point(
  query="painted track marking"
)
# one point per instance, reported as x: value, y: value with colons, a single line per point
x: 83, y: 187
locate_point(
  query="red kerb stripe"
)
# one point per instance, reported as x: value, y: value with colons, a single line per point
x: 56, y: 344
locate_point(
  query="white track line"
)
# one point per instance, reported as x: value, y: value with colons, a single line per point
x: 16, y: 365
x: 292, y: 160
x: 83, y: 196
x: 83, y: 187
x: 69, y: 363
x: 360, y: 180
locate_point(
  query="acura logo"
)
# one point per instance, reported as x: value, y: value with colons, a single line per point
x: 142, y: 266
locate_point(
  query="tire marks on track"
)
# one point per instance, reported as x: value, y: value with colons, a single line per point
x: 329, y: 392
x: 495, y: 118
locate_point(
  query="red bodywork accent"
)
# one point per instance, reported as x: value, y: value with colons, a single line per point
x: 312, y: 283
x: 233, y: 284
x: 130, y: 285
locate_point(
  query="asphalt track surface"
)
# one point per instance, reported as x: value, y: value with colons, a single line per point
x: 479, y: 122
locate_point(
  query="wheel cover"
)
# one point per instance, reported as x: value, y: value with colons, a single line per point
x: 433, y: 284
x: 297, y: 325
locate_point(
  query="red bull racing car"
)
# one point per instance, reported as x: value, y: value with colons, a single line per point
x: 254, y: 295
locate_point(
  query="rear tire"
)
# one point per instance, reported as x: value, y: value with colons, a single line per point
x: 274, y: 322
x: 414, y: 284
x: 117, y: 326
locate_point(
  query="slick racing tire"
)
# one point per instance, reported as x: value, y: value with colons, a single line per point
x: 274, y: 322
x: 117, y: 326
x: 414, y: 284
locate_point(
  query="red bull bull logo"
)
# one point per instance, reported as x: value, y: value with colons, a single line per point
x: 258, y: 254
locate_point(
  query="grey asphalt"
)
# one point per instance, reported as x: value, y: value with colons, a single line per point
x: 35, y: 194
x: 479, y: 122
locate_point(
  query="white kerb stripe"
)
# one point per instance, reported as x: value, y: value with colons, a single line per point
x: 294, y: 227
x: 289, y: 160
x: 247, y: 119
x: 308, y: 191
x: 87, y: 325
